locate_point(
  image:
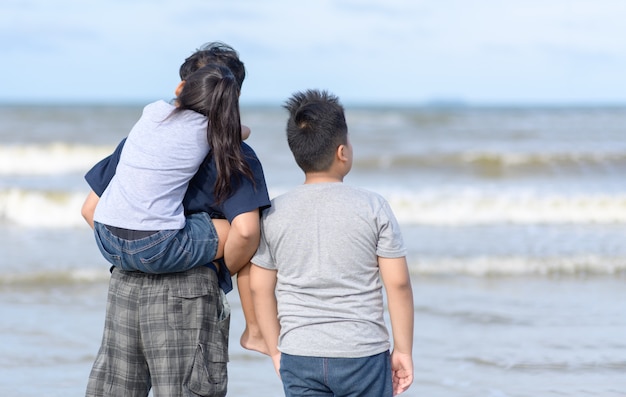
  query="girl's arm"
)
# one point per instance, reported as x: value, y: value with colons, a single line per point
x: 243, y: 240
x: 89, y: 207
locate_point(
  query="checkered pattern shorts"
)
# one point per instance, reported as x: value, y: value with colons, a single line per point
x: 167, y: 332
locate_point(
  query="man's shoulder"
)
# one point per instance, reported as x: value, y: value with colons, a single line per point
x: 248, y: 151
x: 249, y: 154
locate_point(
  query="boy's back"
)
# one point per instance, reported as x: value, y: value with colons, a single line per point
x: 324, y: 240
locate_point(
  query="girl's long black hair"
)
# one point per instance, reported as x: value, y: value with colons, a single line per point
x: 214, y: 92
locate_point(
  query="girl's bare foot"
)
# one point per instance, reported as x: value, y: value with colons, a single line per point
x: 252, y: 340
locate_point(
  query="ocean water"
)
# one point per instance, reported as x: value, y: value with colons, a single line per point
x: 514, y: 219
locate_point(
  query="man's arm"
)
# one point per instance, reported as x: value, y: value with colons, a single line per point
x: 243, y: 240
x: 89, y: 207
x: 98, y: 177
x: 262, y: 285
x: 395, y: 275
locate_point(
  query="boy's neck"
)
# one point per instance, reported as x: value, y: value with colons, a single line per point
x: 321, y: 177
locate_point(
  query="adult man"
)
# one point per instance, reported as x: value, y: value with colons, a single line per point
x: 169, y: 332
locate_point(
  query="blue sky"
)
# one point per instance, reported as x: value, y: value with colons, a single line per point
x: 365, y: 51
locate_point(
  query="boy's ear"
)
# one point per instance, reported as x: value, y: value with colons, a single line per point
x: 179, y: 88
x: 341, y: 155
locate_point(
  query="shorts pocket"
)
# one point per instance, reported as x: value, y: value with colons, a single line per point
x: 208, y: 375
x: 188, y: 301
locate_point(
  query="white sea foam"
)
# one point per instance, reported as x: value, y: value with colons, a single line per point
x: 58, y: 209
x: 41, y: 209
x: 56, y: 277
x: 482, y: 266
x: 475, y: 206
x: 60, y: 158
x: 516, y: 266
x: 49, y: 159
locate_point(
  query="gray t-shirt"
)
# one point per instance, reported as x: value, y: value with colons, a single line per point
x: 160, y: 156
x: 324, y: 241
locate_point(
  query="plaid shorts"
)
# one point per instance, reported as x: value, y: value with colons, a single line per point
x: 167, y: 332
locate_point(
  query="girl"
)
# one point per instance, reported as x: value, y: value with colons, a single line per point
x: 139, y: 221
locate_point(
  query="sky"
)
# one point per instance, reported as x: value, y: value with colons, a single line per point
x: 365, y: 51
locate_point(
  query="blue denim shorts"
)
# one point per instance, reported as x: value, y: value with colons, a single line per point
x: 320, y: 376
x: 164, y: 251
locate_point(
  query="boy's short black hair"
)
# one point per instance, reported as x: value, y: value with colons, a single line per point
x: 214, y: 53
x: 316, y: 127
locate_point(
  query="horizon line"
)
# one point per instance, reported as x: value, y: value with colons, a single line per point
x: 429, y: 104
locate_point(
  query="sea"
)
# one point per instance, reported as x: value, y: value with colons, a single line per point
x: 514, y: 218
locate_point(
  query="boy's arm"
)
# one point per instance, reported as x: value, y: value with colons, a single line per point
x: 243, y: 240
x: 89, y: 207
x: 262, y: 285
x: 395, y: 275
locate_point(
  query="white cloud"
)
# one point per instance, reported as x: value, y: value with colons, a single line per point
x: 363, y: 50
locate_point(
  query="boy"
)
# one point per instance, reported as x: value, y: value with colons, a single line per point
x: 316, y: 276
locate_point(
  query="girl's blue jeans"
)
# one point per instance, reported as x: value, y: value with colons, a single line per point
x: 165, y: 251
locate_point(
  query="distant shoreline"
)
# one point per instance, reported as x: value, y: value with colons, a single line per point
x: 431, y: 105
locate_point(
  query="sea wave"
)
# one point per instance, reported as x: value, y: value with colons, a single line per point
x: 50, y: 159
x: 496, y: 163
x: 452, y: 207
x: 518, y: 266
x: 482, y: 267
x: 55, y: 277
x: 476, y: 207
x: 41, y: 209
x: 63, y: 158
